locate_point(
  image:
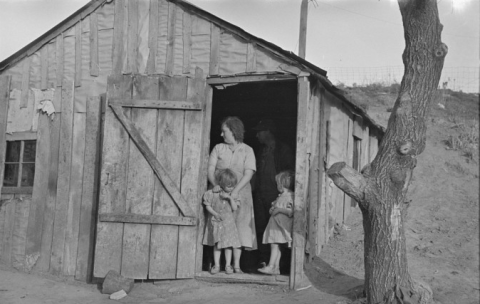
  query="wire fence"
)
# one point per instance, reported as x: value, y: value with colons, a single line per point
x: 465, y: 79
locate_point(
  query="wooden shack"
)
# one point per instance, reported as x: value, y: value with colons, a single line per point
x: 106, y: 123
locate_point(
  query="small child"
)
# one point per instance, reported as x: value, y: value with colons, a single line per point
x: 221, y: 231
x: 279, y: 228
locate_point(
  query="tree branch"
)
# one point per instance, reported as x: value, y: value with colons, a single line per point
x: 348, y: 180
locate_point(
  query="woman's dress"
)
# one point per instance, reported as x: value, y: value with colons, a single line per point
x: 279, y: 228
x: 239, y: 160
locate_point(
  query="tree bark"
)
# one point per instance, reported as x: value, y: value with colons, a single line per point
x: 382, y: 192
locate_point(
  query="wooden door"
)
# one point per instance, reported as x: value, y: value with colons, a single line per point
x: 150, y: 191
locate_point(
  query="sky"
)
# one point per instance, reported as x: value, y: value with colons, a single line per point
x: 347, y: 34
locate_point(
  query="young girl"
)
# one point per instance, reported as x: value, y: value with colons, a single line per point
x: 279, y: 228
x: 221, y: 231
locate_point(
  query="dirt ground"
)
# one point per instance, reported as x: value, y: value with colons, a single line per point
x: 442, y: 241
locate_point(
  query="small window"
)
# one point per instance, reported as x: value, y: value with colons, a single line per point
x: 357, y: 152
x: 19, y: 166
x: 357, y: 156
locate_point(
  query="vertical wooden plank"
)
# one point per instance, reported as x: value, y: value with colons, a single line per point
x: 43, y: 262
x: 140, y: 184
x: 25, y: 82
x: 59, y: 59
x: 172, y: 20
x: 357, y: 126
x: 118, y: 37
x: 365, y: 151
x: 75, y: 194
x: 4, y: 97
x: 322, y: 146
x: 328, y: 182
x: 22, y: 207
x: 338, y: 195
x: 63, y: 184
x: 83, y: 271
x: 298, y: 248
x: 187, y: 42
x: 152, y: 37
x: 251, y: 58
x: 348, y: 201
x: 78, y: 54
x: 113, y: 180
x: 40, y: 187
x: 6, y: 256
x: 44, y: 67
x: 191, y: 174
x: 84, y: 259
x: 372, y: 145
x: 202, y: 181
x: 2, y: 222
x: 314, y: 180
x: 214, y: 49
x: 94, y: 70
x: 170, y: 126
x: 132, y: 37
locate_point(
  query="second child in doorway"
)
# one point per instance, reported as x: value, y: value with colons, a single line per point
x: 221, y: 231
x: 279, y: 229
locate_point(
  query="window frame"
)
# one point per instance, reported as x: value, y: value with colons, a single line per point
x: 22, y: 137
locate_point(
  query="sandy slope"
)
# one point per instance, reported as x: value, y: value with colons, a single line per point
x: 443, y: 223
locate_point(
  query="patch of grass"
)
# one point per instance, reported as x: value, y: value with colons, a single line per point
x: 466, y: 137
x: 465, y: 105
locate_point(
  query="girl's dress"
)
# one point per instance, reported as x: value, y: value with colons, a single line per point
x: 279, y: 228
x: 239, y: 160
x: 223, y: 233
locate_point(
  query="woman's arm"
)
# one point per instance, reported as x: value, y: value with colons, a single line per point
x: 288, y: 212
x: 211, y: 175
x: 247, y: 176
x: 212, y: 165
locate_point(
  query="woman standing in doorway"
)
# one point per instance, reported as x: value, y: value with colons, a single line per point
x: 235, y: 155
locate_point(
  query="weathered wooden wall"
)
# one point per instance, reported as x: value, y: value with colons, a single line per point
x: 58, y: 216
x: 70, y: 66
x: 333, y: 128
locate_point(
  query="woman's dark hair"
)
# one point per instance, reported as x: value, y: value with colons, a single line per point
x: 286, y: 179
x: 226, y: 178
x: 236, y: 126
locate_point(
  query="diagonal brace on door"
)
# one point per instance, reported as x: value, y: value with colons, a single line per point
x: 153, y: 161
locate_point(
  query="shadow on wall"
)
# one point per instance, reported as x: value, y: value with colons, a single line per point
x: 329, y: 280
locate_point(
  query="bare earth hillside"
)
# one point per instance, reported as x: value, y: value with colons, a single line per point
x: 443, y: 223
x: 442, y: 230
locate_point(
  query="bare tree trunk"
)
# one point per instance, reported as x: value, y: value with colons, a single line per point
x: 382, y: 186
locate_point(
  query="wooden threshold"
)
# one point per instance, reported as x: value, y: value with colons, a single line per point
x: 243, y: 278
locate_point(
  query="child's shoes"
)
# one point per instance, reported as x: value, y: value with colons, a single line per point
x: 267, y: 270
x: 214, y: 270
x: 228, y: 269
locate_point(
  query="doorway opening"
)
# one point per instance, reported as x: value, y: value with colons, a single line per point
x: 252, y: 102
